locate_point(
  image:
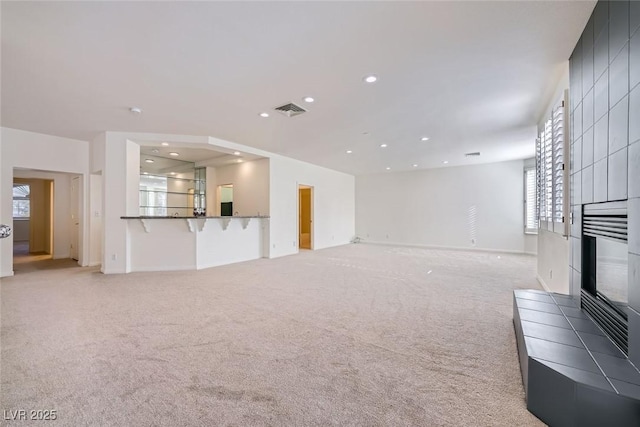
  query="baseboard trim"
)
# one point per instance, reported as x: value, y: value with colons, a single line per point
x: 542, y: 283
x: 453, y: 248
x: 162, y: 269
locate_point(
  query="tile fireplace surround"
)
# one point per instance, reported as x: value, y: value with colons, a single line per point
x: 574, y: 375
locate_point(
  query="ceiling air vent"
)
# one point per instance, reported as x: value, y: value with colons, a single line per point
x: 474, y: 154
x: 290, y: 109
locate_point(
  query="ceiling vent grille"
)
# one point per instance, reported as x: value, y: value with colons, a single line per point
x: 290, y: 109
x: 474, y: 154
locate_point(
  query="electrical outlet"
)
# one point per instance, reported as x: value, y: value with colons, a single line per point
x: 114, y: 257
x: 294, y: 243
x: 274, y: 246
x: 550, y: 274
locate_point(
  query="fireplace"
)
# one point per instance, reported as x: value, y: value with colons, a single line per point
x: 605, y: 261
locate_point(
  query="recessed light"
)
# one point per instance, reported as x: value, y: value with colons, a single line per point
x: 236, y: 153
x: 415, y: 166
x: 155, y: 151
x: 424, y: 138
x: 145, y: 173
x: 349, y: 151
x: 264, y: 114
x: 370, y: 79
x: 174, y: 154
x: 445, y: 162
x: 165, y: 144
x: 308, y: 99
x: 173, y: 173
x: 388, y: 168
x: 383, y: 145
x: 239, y: 160
x: 148, y: 160
x: 135, y: 110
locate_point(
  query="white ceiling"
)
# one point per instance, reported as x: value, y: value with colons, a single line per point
x: 188, y: 157
x: 472, y: 76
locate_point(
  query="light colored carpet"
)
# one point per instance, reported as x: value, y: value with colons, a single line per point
x: 354, y: 335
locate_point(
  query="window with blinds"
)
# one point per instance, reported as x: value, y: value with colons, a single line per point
x: 21, y: 201
x: 530, y: 201
x: 551, y: 174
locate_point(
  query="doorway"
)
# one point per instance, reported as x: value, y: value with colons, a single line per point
x: 225, y: 195
x: 305, y: 217
x: 32, y: 219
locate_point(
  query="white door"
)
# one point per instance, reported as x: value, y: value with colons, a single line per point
x: 75, y: 217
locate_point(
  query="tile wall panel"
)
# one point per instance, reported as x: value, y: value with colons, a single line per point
x: 601, y: 138
x: 634, y: 167
x: 618, y: 26
x: 587, y: 184
x: 619, y: 77
x: 600, y: 186
x: 587, y: 149
x: 604, y: 72
x: 617, y: 177
x: 619, y: 126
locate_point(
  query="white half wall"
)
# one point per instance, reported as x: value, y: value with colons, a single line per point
x: 333, y: 204
x: 478, y: 206
x: 28, y: 150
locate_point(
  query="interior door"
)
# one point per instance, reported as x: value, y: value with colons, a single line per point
x: 305, y: 217
x: 74, y: 208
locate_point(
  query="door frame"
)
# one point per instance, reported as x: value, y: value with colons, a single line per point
x: 311, y: 215
x: 75, y: 217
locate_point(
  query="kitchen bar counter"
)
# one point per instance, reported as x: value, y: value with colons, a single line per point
x: 193, y: 217
x: 193, y: 243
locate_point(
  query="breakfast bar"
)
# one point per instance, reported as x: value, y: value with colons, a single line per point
x: 192, y: 243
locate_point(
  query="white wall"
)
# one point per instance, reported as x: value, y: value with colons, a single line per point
x: 21, y: 229
x: 29, y: 150
x: 334, y: 208
x: 95, y: 219
x: 553, y: 261
x: 121, y: 197
x: 530, y: 240
x: 444, y: 207
x: 250, y: 186
x: 553, y: 249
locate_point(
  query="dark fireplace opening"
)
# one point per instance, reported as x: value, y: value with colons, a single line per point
x: 605, y: 267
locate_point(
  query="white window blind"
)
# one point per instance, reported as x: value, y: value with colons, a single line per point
x: 558, y: 163
x: 21, y: 201
x: 530, y: 207
x: 551, y: 179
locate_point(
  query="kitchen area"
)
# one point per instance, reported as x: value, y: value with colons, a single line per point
x: 198, y: 208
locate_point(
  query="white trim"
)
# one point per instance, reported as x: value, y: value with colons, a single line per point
x: 543, y: 284
x: 453, y: 248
